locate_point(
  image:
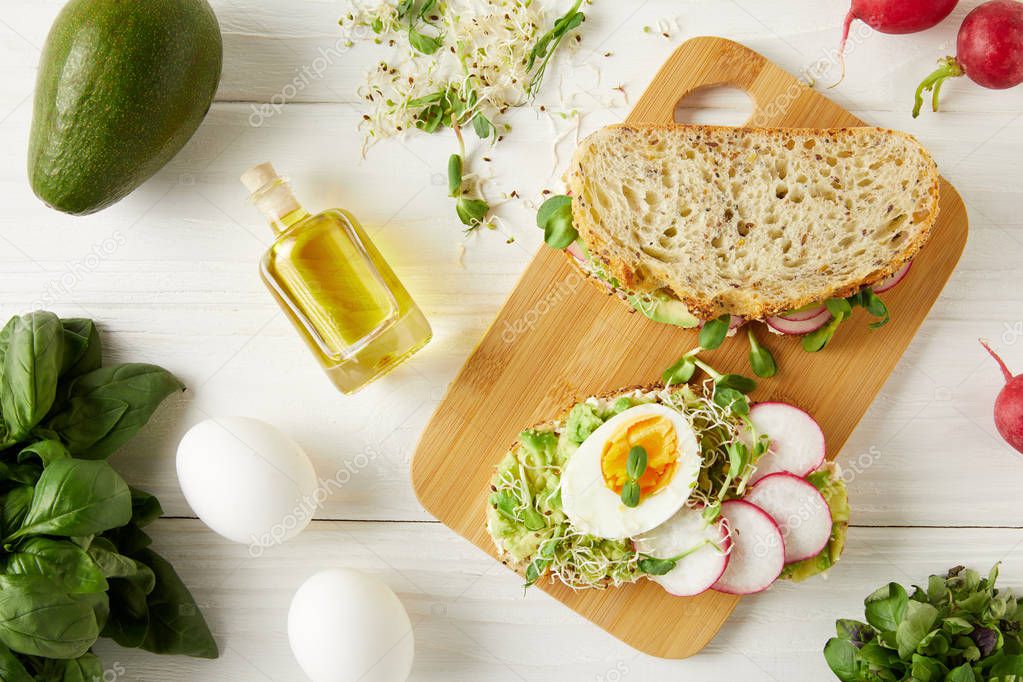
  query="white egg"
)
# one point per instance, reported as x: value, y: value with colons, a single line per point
x: 345, y: 626
x: 596, y: 509
x: 246, y: 480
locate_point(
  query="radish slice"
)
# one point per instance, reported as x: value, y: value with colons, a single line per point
x: 797, y: 441
x: 800, y: 511
x: 695, y: 573
x: 576, y: 252
x: 890, y: 283
x: 757, y: 554
x: 805, y: 313
x: 799, y: 327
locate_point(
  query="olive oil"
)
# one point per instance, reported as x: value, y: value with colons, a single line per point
x: 335, y: 287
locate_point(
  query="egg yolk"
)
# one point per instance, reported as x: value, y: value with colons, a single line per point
x: 657, y: 436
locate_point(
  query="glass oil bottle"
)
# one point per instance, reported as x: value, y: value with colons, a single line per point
x: 335, y: 287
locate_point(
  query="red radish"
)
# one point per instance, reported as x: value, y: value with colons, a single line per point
x: 805, y: 313
x: 576, y: 251
x: 799, y: 327
x: 892, y: 281
x: 757, y: 556
x: 797, y: 441
x: 895, y: 17
x: 989, y: 50
x: 696, y: 572
x: 1009, y: 404
x: 799, y: 509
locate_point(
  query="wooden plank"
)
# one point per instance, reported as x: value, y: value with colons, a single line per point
x: 473, y: 624
x: 558, y: 339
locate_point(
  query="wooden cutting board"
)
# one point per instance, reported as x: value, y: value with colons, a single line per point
x: 559, y: 339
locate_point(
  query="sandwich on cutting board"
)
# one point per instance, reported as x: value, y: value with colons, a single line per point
x: 790, y: 226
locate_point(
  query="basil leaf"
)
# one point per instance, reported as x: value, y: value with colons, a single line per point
x: 128, y: 620
x: 76, y: 497
x: 83, y: 350
x: 32, y: 365
x: 112, y: 564
x: 38, y: 619
x: 15, y: 508
x: 145, y: 508
x: 48, y: 451
x: 176, y: 626
x: 64, y: 562
x: 85, y: 421
x: 87, y: 668
x: 11, y: 669
x: 143, y: 387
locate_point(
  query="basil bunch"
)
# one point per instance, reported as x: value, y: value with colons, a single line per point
x: 959, y: 628
x: 75, y: 562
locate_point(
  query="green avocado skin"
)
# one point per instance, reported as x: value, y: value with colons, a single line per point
x: 122, y: 86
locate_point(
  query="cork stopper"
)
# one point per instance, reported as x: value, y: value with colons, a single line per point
x: 270, y: 192
x: 257, y: 177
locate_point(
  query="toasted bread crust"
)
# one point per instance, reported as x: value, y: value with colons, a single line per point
x: 648, y: 276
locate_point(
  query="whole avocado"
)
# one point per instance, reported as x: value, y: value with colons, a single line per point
x: 122, y: 86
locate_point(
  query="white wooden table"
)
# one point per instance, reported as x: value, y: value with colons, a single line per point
x: 170, y: 274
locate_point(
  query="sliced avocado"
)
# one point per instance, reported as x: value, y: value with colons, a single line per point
x: 663, y: 307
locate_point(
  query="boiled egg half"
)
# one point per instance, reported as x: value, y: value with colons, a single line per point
x: 592, y: 480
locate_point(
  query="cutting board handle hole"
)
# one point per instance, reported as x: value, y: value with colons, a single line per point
x: 722, y: 105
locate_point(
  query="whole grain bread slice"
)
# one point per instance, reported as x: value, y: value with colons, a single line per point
x: 752, y: 221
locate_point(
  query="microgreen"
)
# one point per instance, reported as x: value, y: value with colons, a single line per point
x: 841, y: 310
x: 714, y: 332
x: 635, y: 467
x: 472, y: 212
x: 959, y: 628
x: 454, y: 175
x: 555, y: 219
x: 547, y: 44
x: 655, y: 566
x: 760, y: 359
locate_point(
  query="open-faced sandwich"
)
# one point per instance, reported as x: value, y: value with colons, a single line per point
x: 691, y: 487
x: 795, y: 227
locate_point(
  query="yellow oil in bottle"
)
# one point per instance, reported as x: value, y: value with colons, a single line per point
x: 335, y: 287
